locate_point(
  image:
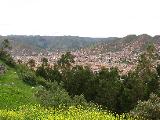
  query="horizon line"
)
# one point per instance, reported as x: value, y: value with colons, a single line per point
x: 76, y: 35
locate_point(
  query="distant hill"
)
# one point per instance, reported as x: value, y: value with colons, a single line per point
x: 133, y: 42
x: 52, y: 42
x: 111, y: 44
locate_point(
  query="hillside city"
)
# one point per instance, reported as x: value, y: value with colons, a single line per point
x: 113, y: 79
x: 97, y: 57
x: 80, y: 60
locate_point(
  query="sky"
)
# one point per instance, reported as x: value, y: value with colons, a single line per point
x: 86, y: 18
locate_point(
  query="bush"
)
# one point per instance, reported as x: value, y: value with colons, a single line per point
x: 29, y: 78
x: 54, y: 96
x: 49, y: 74
x: 27, y: 75
x: 43, y: 82
x: 7, y: 58
x: 149, y: 110
x: 79, y: 100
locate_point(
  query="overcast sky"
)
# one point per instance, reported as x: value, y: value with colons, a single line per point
x: 92, y: 18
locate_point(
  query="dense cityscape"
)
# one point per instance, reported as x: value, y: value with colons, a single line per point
x: 97, y: 57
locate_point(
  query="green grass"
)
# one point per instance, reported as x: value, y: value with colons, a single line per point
x: 17, y: 102
x: 13, y: 91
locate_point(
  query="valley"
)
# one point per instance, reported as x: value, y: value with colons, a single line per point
x: 96, y: 53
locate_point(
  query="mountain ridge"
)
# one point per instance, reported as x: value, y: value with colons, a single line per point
x: 52, y: 42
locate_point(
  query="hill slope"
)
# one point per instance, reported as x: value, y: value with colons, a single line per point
x: 132, y: 43
x: 52, y: 42
x: 13, y: 92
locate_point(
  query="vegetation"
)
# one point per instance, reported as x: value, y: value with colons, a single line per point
x: 149, y: 109
x: 13, y: 92
x: 4, y: 53
x: 51, y: 42
x: 66, y: 91
x: 107, y: 88
x: 72, y: 113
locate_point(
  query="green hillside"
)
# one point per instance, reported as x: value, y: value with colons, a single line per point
x: 18, y: 103
x: 13, y: 91
x: 76, y: 92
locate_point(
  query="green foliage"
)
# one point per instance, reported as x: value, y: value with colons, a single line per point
x: 76, y: 79
x: 53, y: 97
x: 49, y: 74
x: 66, y: 60
x: 105, y: 87
x: 149, y: 110
x: 158, y: 69
x: 146, y: 63
x: 27, y: 75
x: 69, y: 85
x: 79, y: 100
x: 13, y: 92
x: 5, y: 44
x: 4, y: 53
x: 108, y: 88
x: 41, y: 71
x: 7, y: 58
x: 56, y: 95
x: 44, y: 61
x: 133, y: 90
x: 138, y: 85
x: 31, y: 63
x: 146, y: 71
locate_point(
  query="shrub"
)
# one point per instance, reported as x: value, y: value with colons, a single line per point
x: 49, y: 74
x: 7, y: 58
x: 149, y: 110
x: 27, y: 75
x: 79, y: 100
x: 54, y: 96
x: 29, y: 78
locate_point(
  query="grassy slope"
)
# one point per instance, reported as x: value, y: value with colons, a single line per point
x: 13, y: 92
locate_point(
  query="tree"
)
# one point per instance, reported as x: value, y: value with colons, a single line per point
x: 5, y: 44
x: 133, y: 90
x: 146, y: 70
x: 44, y: 61
x: 76, y: 80
x: 146, y: 62
x: 31, y: 63
x: 64, y: 65
x: 138, y: 85
x: 28, y: 76
x: 5, y: 55
x: 66, y: 61
x: 53, y: 74
x: 148, y: 110
x: 54, y: 97
x: 50, y: 74
x: 158, y: 69
x: 19, y: 61
x: 108, y: 88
